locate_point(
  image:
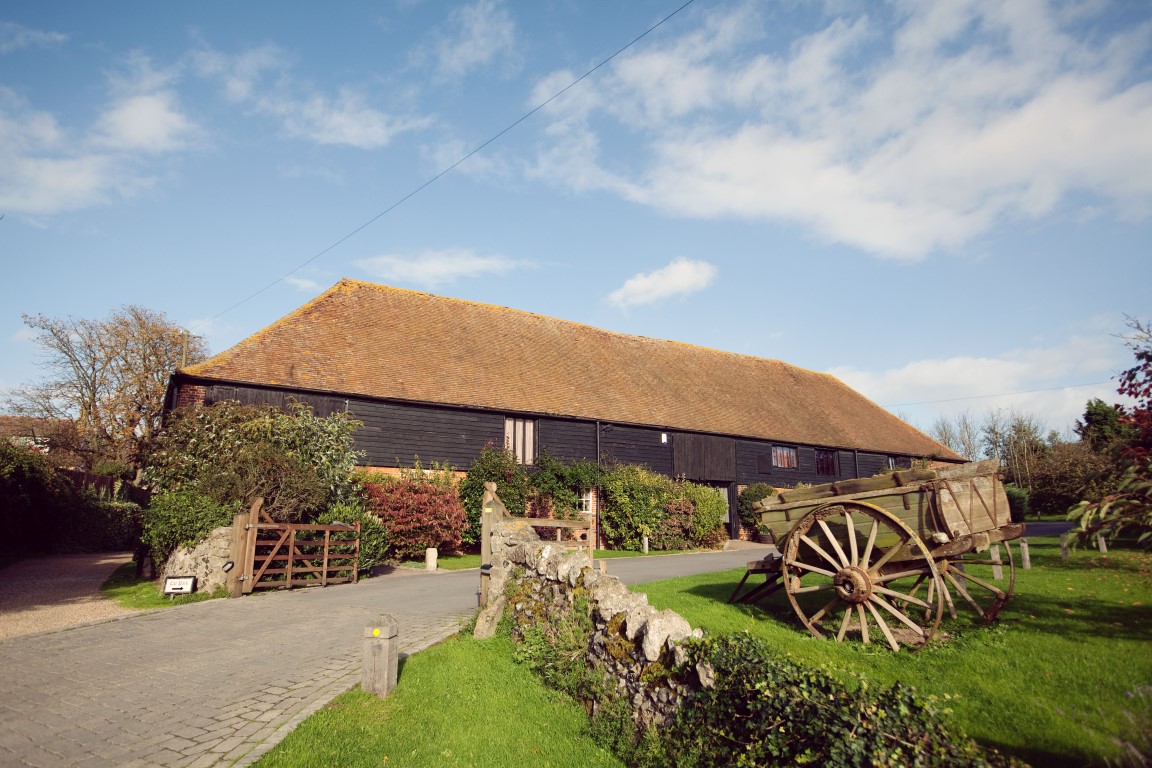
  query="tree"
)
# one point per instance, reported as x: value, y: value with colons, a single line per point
x: 108, y: 377
x: 1128, y: 511
x: 1103, y: 425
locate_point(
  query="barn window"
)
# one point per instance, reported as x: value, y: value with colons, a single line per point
x: 784, y: 456
x: 826, y: 462
x: 520, y: 439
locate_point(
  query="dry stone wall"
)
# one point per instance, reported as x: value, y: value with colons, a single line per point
x: 637, y: 648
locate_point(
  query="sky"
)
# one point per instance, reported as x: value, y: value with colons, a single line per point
x: 947, y: 205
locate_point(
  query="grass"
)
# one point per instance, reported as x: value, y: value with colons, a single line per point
x: 467, y: 560
x: 461, y: 703
x: 124, y: 587
x: 1051, y: 683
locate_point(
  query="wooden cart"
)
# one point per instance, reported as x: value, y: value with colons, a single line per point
x: 889, y: 553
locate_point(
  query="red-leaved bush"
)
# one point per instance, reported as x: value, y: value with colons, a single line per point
x: 417, y: 515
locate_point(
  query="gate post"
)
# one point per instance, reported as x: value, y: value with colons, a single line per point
x: 236, y: 554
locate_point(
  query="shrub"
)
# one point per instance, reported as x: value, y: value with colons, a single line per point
x: 750, y: 495
x: 417, y: 515
x: 373, y: 534
x: 556, y: 487
x: 1017, y: 502
x: 98, y: 525
x: 34, y: 499
x: 709, y: 510
x: 674, y: 531
x: 767, y: 710
x: 633, y: 504
x: 233, y: 453
x: 493, y: 465
x: 182, y: 519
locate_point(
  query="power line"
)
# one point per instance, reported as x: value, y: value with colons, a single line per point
x: 453, y: 166
x: 1002, y: 394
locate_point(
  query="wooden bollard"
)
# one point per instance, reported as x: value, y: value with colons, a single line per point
x: 997, y: 571
x: 1101, y: 544
x: 381, y: 656
x: 1025, y: 558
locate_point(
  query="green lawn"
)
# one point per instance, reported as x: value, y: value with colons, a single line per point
x: 464, y: 561
x: 1050, y: 683
x: 140, y: 594
x: 460, y: 703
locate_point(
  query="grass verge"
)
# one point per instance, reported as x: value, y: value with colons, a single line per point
x: 461, y: 703
x: 140, y: 594
x: 465, y: 561
x: 1055, y: 682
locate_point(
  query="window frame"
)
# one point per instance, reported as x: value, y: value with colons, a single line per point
x: 790, y: 451
x: 826, y: 458
x: 520, y: 438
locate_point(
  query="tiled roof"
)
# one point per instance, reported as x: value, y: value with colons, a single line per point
x: 359, y: 338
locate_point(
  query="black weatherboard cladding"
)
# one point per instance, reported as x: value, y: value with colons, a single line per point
x: 394, y: 433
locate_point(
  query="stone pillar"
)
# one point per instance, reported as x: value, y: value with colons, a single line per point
x: 381, y: 656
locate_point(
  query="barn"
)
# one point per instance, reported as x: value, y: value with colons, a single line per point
x: 441, y: 378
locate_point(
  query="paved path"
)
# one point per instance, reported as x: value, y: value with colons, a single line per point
x: 45, y: 593
x: 221, y: 682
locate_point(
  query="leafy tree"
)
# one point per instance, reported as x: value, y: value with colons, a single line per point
x: 109, y: 377
x: 1128, y: 509
x: 493, y: 465
x: 232, y: 453
x: 1103, y: 425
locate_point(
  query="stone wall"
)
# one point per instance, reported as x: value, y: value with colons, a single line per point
x: 638, y: 648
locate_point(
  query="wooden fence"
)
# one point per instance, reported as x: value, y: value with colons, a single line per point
x: 274, y: 555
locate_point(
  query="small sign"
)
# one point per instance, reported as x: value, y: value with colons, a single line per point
x: 179, y: 585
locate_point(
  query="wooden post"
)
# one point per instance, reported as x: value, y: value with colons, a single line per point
x: 1025, y: 558
x: 1101, y: 544
x: 236, y: 554
x: 485, y: 554
x: 381, y: 656
x: 997, y: 571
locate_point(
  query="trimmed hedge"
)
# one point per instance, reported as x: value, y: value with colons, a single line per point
x: 181, y: 519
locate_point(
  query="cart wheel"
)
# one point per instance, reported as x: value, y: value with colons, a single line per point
x: 870, y: 564
x: 970, y: 576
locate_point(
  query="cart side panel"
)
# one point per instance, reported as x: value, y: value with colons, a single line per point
x: 972, y: 505
x: 913, y: 507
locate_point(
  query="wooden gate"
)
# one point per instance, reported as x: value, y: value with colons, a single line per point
x: 285, y: 555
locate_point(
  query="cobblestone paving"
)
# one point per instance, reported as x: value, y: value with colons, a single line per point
x: 208, y: 684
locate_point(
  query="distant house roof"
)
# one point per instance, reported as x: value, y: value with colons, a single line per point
x: 371, y: 340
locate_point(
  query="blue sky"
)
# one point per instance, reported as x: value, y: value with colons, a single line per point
x: 945, y: 204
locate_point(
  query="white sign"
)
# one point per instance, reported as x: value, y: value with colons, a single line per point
x: 179, y: 585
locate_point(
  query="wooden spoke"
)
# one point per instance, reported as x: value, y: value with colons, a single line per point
x: 902, y: 597
x: 813, y: 569
x: 835, y: 544
x: 899, y: 615
x: 814, y: 588
x: 894, y: 576
x: 871, y: 542
x: 844, y: 624
x: 888, y: 555
x: 985, y: 597
x: 820, y: 613
x: 821, y: 552
x: 864, y: 596
x: 851, y: 538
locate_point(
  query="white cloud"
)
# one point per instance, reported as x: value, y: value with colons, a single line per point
x: 304, y: 284
x: 476, y: 35
x: 151, y: 122
x: 261, y: 79
x: 46, y: 168
x: 434, y: 268
x: 901, y: 132
x: 1043, y: 381
x: 15, y: 36
x: 344, y: 120
x: 680, y: 277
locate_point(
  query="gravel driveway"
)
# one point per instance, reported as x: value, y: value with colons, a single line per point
x: 45, y: 593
